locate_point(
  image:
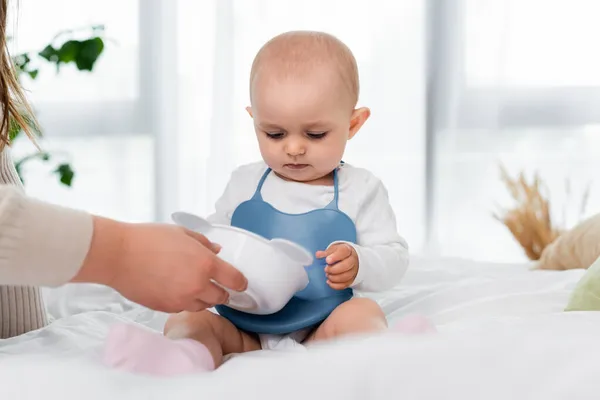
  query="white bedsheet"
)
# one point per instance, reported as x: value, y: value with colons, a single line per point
x: 502, y: 335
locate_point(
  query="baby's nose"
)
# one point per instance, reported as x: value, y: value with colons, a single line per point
x: 295, y: 148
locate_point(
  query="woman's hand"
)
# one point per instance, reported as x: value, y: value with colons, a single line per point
x: 163, y: 267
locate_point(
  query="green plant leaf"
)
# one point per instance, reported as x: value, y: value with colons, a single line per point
x: 69, y: 32
x: 20, y: 162
x: 83, y: 53
x: 19, y: 173
x: 49, y: 53
x: 21, y: 61
x: 14, y: 130
x: 69, y: 51
x: 64, y: 171
x: 88, y: 54
x: 33, y: 73
x: 66, y: 174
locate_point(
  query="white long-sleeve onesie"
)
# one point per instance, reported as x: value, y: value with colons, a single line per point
x: 382, y: 252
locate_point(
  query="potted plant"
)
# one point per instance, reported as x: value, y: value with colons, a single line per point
x: 64, y: 49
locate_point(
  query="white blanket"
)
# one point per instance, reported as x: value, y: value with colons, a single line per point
x: 502, y: 335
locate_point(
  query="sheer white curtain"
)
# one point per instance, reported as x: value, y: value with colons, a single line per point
x: 161, y: 123
x: 215, y: 53
x: 516, y: 82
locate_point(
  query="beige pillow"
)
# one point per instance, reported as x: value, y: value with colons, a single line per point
x: 576, y: 248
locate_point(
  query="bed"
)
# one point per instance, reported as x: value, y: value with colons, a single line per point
x: 502, y: 335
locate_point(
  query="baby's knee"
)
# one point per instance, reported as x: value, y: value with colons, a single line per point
x: 361, y: 307
x: 355, y: 315
x: 185, y: 324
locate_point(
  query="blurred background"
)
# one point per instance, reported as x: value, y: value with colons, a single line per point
x: 141, y: 104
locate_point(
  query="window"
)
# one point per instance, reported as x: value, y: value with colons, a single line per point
x: 98, y: 121
x: 517, y: 84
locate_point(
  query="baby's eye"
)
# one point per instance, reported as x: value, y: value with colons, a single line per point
x: 316, y: 135
x: 274, y: 135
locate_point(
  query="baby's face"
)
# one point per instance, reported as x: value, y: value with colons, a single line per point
x: 302, y: 125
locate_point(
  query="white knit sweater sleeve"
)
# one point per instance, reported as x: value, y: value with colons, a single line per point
x: 40, y: 244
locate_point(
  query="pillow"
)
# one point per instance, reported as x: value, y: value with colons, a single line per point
x: 576, y: 248
x: 586, y: 295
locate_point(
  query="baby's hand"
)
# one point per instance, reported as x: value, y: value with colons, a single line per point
x: 342, y: 265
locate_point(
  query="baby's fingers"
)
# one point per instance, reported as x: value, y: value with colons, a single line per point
x: 341, y: 267
x: 339, y: 286
x: 327, y: 252
x: 344, y: 277
x: 341, y: 252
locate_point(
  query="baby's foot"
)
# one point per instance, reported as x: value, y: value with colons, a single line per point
x: 139, y: 350
x: 414, y: 324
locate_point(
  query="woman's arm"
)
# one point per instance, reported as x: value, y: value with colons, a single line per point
x: 163, y: 267
x: 41, y: 244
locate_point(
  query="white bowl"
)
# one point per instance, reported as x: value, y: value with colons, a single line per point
x: 274, y: 268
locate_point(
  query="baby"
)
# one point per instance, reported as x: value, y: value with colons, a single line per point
x: 304, y: 90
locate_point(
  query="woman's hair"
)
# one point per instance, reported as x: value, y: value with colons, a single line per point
x: 12, y: 100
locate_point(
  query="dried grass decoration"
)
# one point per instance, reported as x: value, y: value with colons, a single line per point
x: 530, y: 220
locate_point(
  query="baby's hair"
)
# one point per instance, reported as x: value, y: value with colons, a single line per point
x: 296, y: 52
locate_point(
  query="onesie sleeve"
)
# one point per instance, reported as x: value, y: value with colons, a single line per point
x: 382, y: 253
x: 224, y: 206
x: 240, y: 188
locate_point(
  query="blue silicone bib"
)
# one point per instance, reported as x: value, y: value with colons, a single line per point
x: 314, y: 230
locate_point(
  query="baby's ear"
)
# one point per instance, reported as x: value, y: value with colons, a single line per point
x: 357, y: 120
x: 249, y: 111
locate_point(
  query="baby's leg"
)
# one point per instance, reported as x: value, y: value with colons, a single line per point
x: 358, y: 315
x: 219, y: 335
x: 193, y: 342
